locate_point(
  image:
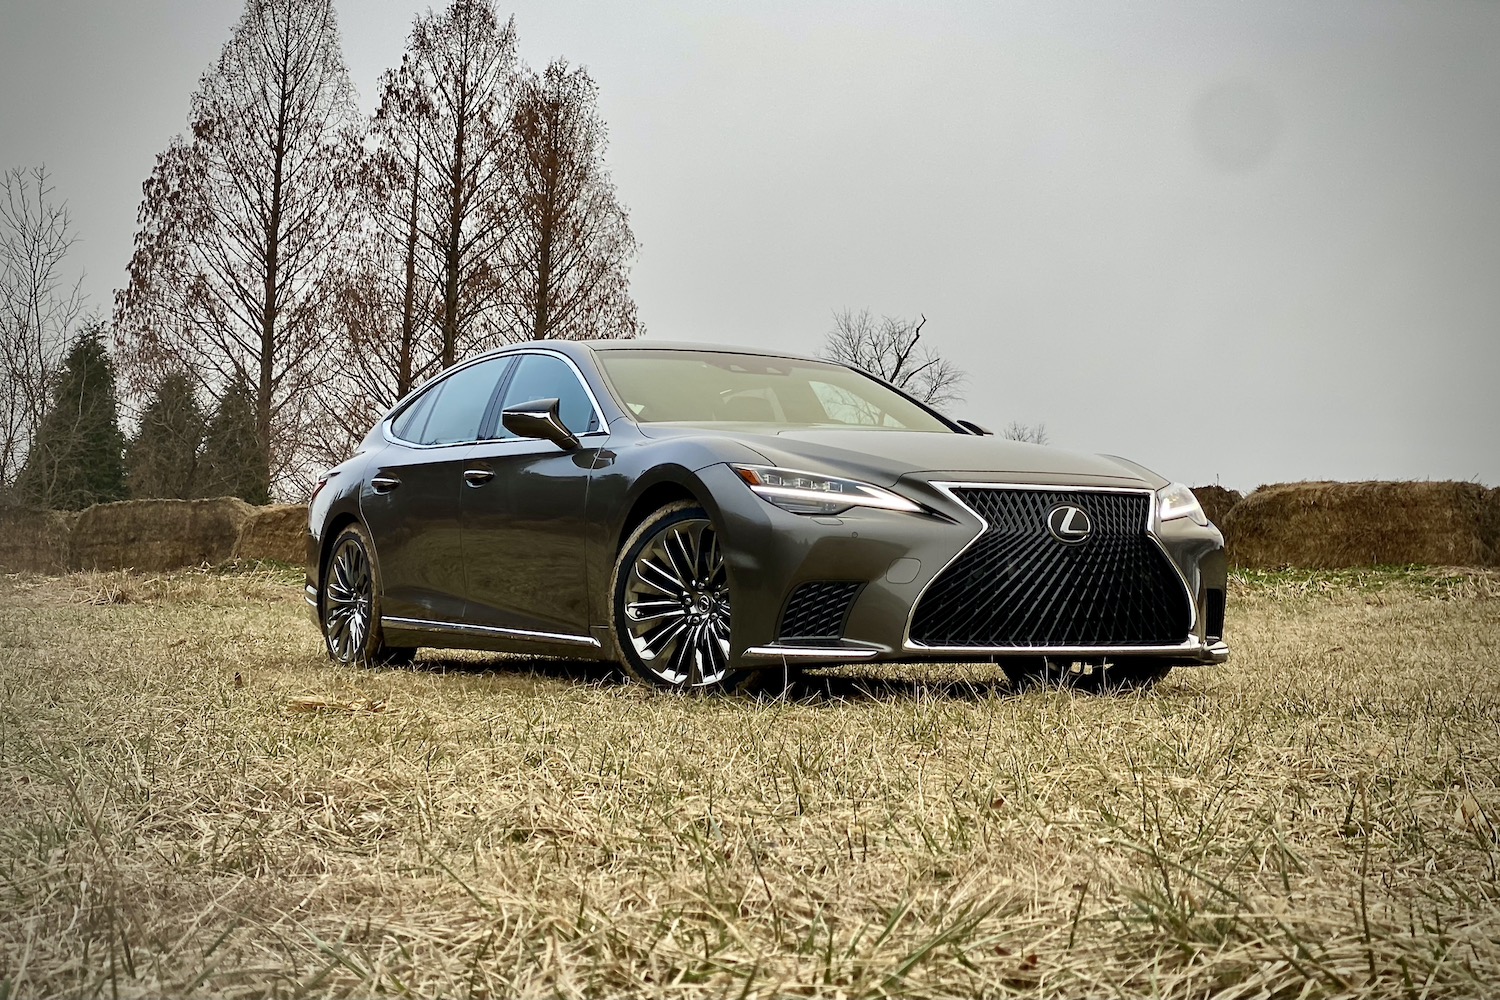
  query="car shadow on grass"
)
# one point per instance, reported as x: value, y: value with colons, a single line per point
x: 823, y: 686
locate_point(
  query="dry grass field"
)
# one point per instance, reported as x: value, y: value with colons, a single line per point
x: 194, y: 802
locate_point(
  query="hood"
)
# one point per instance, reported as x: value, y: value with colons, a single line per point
x: 883, y: 456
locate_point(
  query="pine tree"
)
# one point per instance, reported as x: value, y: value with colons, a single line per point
x: 77, y: 457
x: 233, y: 464
x: 163, y: 459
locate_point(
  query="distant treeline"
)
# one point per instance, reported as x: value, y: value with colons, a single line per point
x: 299, y: 267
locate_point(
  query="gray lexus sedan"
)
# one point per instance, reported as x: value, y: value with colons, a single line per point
x: 709, y: 516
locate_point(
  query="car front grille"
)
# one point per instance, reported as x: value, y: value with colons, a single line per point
x: 1019, y: 586
x: 817, y: 610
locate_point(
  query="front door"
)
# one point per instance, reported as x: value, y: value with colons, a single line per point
x: 412, y: 500
x: 523, y: 511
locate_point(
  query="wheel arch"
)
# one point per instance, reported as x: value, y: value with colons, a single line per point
x: 652, y: 498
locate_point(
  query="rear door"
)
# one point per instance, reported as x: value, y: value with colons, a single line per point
x: 523, y: 510
x: 411, y: 501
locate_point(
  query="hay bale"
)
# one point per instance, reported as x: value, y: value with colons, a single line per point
x: 34, y: 541
x: 277, y: 532
x: 1217, y: 501
x: 154, y: 535
x: 1319, y: 525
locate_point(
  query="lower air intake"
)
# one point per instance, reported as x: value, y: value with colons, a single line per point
x: 817, y: 610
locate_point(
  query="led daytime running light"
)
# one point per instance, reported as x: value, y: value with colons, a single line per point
x: 810, y: 493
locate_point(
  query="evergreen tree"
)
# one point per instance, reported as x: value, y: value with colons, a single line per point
x: 233, y: 464
x: 163, y: 459
x: 77, y: 457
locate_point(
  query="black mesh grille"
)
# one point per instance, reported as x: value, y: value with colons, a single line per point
x: 1017, y: 585
x: 1213, y: 614
x: 816, y: 610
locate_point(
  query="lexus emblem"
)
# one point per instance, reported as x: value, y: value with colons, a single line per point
x: 1069, y: 524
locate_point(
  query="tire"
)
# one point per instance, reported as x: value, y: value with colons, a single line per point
x: 672, y: 605
x: 349, y: 604
x: 1118, y: 678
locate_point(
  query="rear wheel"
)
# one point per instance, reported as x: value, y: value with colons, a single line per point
x: 349, y: 604
x: 672, y: 605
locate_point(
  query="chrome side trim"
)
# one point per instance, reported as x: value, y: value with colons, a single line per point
x: 1193, y: 644
x: 310, y: 594
x: 775, y: 652
x: 423, y: 625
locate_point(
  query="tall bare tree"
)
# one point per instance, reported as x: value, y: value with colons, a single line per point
x: 892, y: 348
x: 570, y: 259
x: 443, y: 119
x: 241, y: 221
x: 38, y: 308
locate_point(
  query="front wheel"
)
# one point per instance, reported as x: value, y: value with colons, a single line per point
x: 349, y: 604
x: 672, y: 605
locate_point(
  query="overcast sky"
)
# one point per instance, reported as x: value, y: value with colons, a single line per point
x: 1244, y: 242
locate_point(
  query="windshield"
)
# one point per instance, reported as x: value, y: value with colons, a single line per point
x: 712, y: 387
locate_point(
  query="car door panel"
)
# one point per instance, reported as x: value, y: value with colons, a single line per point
x: 524, y: 518
x: 411, y: 500
x: 417, y: 533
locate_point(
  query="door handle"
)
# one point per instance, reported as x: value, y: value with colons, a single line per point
x: 384, y: 484
x: 477, y: 477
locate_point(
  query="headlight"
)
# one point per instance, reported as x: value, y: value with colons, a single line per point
x: 1176, y: 500
x: 810, y: 493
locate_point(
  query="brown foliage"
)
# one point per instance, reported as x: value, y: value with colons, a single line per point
x: 571, y: 253
x: 241, y: 221
x: 1323, y: 525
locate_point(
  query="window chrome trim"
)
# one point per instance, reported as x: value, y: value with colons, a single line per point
x: 424, y: 625
x: 391, y: 438
x: 1193, y: 643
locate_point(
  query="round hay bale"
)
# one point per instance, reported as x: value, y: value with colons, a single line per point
x: 1217, y: 501
x: 277, y: 532
x: 34, y: 541
x: 1320, y: 525
x: 155, y: 535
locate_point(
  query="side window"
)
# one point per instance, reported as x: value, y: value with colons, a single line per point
x: 408, y: 426
x: 459, y: 404
x: 544, y: 376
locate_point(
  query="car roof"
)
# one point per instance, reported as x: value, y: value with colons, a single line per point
x: 577, y: 346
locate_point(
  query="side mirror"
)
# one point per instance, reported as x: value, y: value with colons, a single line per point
x: 538, y: 419
x: 974, y: 428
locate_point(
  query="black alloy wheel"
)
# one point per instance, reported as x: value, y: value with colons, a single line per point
x: 349, y: 604
x: 672, y: 604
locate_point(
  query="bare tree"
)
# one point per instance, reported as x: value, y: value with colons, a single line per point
x: 570, y: 258
x: 442, y: 123
x: 1030, y: 433
x: 891, y: 348
x: 38, y: 309
x: 241, y: 222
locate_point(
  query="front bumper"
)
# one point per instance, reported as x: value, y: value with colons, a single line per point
x: 894, y: 557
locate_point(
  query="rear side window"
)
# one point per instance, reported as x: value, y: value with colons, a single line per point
x: 544, y: 376
x: 450, y: 412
